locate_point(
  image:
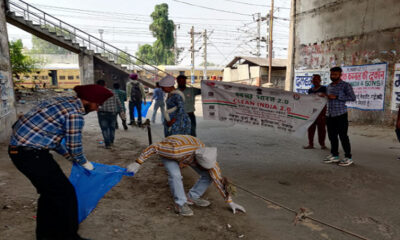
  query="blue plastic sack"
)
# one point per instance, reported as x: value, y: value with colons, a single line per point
x: 91, y: 186
x: 145, y: 109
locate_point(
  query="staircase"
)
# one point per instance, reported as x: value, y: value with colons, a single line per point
x: 60, y: 33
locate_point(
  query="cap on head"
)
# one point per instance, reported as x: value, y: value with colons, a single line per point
x: 167, y: 81
x: 206, y: 157
x: 93, y: 93
x: 133, y: 76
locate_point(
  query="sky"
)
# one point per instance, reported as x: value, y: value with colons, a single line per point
x: 126, y: 24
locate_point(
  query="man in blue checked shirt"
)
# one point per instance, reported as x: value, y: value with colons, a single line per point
x: 42, y: 129
x: 338, y: 93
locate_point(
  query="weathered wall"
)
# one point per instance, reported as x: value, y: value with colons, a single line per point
x: 7, y: 108
x: 349, y: 32
x: 109, y: 74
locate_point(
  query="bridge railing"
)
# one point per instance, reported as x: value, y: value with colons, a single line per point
x: 76, y: 35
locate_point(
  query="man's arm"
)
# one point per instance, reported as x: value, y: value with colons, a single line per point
x: 148, y: 152
x: 347, y: 94
x: 119, y: 104
x: 128, y: 90
x: 73, y: 138
x: 143, y: 92
x: 196, y: 91
x: 216, y: 175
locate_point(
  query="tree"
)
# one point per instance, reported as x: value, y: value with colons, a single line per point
x: 20, y: 63
x: 124, y: 58
x: 40, y: 46
x: 162, y: 29
x: 209, y: 64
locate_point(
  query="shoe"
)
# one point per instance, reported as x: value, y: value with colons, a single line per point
x: 331, y: 159
x: 108, y: 147
x: 184, y: 210
x: 124, y: 125
x: 323, y: 147
x: 345, y: 162
x: 198, y: 202
x: 308, y: 147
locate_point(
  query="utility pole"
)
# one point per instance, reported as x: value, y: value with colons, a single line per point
x: 101, y: 31
x: 176, y: 26
x: 258, y: 34
x: 192, y: 54
x: 205, y: 55
x: 270, y: 42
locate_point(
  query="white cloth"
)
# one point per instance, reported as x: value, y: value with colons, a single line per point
x: 168, y: 81
x: 206, y: 157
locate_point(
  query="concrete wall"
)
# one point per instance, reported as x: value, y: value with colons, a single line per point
x: 109, y: 74
x: 349, y: 32
x: 7, y: 107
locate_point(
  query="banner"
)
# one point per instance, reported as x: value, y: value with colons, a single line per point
x: 396, y: 88
x: 368, y: 83
x: 302, y: 79
x: 277, y: 109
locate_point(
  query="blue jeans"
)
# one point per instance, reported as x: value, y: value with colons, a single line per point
x: 107, y: 121
x: 157, y: 105
x: 138, y: 106
x: 176, y: 184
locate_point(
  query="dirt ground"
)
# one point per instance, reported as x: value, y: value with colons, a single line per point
x: 139, y: 207
x: 362, y: 198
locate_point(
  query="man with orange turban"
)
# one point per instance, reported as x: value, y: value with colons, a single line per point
x: 42, y: 129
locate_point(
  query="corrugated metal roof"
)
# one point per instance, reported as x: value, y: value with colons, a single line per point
x: 263, y: 62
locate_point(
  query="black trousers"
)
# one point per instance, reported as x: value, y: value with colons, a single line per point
x: 338, y: 126
x: 57, y: 213
x: 193, y: 124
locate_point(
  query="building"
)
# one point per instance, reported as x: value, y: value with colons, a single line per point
x: 357, y: 35
x: 254, y: 71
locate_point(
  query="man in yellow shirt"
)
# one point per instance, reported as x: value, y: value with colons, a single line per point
x: 186, y: 150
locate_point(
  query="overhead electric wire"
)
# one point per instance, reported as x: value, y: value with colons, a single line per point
x: 213, y: 9
x: 254, y: 4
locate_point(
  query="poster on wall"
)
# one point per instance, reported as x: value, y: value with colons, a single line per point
x: 368, y: 83
x: 396, y: 88
x: 302, y: 79
x: 5, y: 95
x: 276, y: 109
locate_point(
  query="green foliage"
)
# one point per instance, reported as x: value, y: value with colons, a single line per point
x: 20, y: 63
x: 123, y: 58
x: 209, y: 64
x: 40, y: 46
x: 163, y: 29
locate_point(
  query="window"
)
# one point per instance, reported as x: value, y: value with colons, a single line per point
x: 62, y: 77
x: 195, y: 77
x: 45, y: 77
x: 181, y: 72
x: 77, y: 77
x: 70, y: 77
x: 35, y: 77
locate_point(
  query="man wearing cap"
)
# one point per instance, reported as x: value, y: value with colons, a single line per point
x: 135, y: 93
x: 190, y: 94
x: 185, y: 150
x: 41, y: 130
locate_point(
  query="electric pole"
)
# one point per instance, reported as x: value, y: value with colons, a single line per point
x: 258, y: 34
x: 205, y: 55
x: 192, y: 54
x: 270, y: 42
x: 176, y: 26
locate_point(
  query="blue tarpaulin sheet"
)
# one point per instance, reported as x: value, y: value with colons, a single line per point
x: 145, y: 109
x: 91, y: 186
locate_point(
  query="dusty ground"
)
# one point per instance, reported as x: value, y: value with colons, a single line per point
x: 363, y: 198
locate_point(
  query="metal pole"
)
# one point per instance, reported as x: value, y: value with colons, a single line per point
x: 192, y: 54
x: 258, y: 34
x: 149, y: 134
x: 176, y: 44
x: 271, y: 19
x: 205, y: 55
